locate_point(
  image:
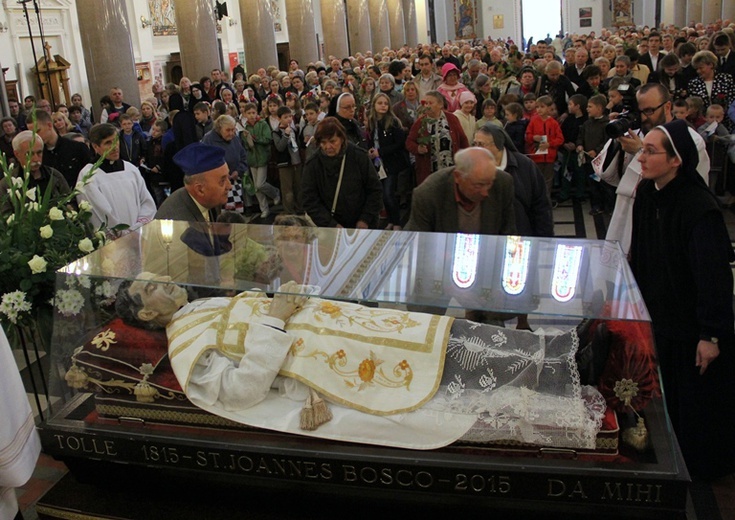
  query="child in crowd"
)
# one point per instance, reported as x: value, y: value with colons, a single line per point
x: 529, y: 106
x: 75, y: 116
x: 572, y: 174
x: 489, y: 109
x: 591, y: 140
x: 257, y: 138
x: 285, y: 141
x: 203, y: 119
x: 717, y: 140
x: 132, y: 144
x: 152, y: 169
x: 515, y: 125
x: 713, y: 125
x: 293, y: 102
x: 311, y: 118
x: 680, y: 110
x: 270, y: 111
x: 134, y: 114
x: 324, y: 101
x: 466, y: 114
x: 614, y: 102
x: 543, y: 139
x: 219, y: 108
x: 695, y: 116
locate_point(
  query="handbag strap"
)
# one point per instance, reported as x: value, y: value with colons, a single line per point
x: 339, y: 183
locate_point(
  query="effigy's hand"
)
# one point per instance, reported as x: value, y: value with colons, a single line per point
x: 288, y: 301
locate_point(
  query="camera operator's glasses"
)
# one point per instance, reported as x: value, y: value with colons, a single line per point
x: 648, y: 112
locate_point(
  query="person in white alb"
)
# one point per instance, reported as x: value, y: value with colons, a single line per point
x: 19, y: 441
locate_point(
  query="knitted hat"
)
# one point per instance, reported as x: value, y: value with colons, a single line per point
x: 466, y: 96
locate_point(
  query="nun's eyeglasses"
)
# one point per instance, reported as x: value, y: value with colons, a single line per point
x: 650, y: 151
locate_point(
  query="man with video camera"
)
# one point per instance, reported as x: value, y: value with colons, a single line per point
x: 617, y: 165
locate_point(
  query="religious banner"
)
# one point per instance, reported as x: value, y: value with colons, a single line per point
x: 622, y: 12
x: 163, y: 21
x: 465, y: 19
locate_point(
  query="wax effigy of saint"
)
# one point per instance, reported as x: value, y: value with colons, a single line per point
x: 389, y: 377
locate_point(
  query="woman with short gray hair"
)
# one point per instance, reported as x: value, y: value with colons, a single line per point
x: 224, y: 135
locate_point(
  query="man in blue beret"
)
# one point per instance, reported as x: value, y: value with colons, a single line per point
x: 206, y: 185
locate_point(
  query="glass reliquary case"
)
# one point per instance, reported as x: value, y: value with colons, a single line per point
x: 170, y: 352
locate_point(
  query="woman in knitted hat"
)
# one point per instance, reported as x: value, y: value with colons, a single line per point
x: 681, y: 255
x: 451, y: 88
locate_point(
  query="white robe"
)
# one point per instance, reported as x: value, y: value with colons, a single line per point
x: 19, y: 441
x: 117, y: 197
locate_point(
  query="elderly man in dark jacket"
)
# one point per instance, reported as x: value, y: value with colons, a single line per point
x: 473, y: 196
x: 532, y: 208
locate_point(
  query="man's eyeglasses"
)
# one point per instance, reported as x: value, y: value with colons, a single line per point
x: 648, y: 112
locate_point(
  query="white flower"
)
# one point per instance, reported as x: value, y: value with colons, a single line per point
x: 17, y: 182
x: 46, y: 231
x: 105, y: 289
x: 32, y: 206
x: 31, y: 194
x: 71, y: 214
x: 85, y: 206
x: 69, y: 302
x: 79, y: 186
x: 13, y: 304
x: 11, y: 219
x: 85, y: 282
x: 37, y: 264
x: 86, y: 245
x: 56, y: 214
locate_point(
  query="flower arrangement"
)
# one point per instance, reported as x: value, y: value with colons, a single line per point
x: 38, y: 235
x: 424, y: 135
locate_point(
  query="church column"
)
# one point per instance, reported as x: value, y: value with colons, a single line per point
x: 680, y: 14
x: 358, y: 21
x: 335, y: 28
x: 108, y: 51
x: 396, y: 24
x: 197, y: 34
x: 711, y: 11
x: 379, y: 25
x: 409, y: 20
x: 728, y: 9
x: 256, y: 20
x: 301, y: 31
x: 694, y: 11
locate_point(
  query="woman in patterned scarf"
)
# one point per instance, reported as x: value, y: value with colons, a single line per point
x: 435, y: 137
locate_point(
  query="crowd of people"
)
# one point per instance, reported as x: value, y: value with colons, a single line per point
x: 472, y: 137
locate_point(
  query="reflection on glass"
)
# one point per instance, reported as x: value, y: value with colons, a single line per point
x: 167, y: 231
x: 566, y: 270
x: 464, y: 263
x: 515, y: 264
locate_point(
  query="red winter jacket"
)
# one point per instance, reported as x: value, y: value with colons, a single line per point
x: 551, y: 129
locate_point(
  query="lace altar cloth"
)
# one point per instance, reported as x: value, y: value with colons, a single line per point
x: 522, y: 387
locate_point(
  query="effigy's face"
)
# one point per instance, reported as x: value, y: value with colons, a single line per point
x: 159, y: 295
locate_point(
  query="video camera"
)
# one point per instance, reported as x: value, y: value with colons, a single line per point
x: 627, y: 120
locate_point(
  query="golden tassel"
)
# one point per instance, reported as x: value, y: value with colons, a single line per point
x: 322, y: 413
x: 307, y: 416
x: 637, y: 436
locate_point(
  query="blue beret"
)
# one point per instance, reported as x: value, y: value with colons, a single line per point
x: 199, y: 158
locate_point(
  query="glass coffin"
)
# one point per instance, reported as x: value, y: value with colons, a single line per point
x: 378, y: 376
